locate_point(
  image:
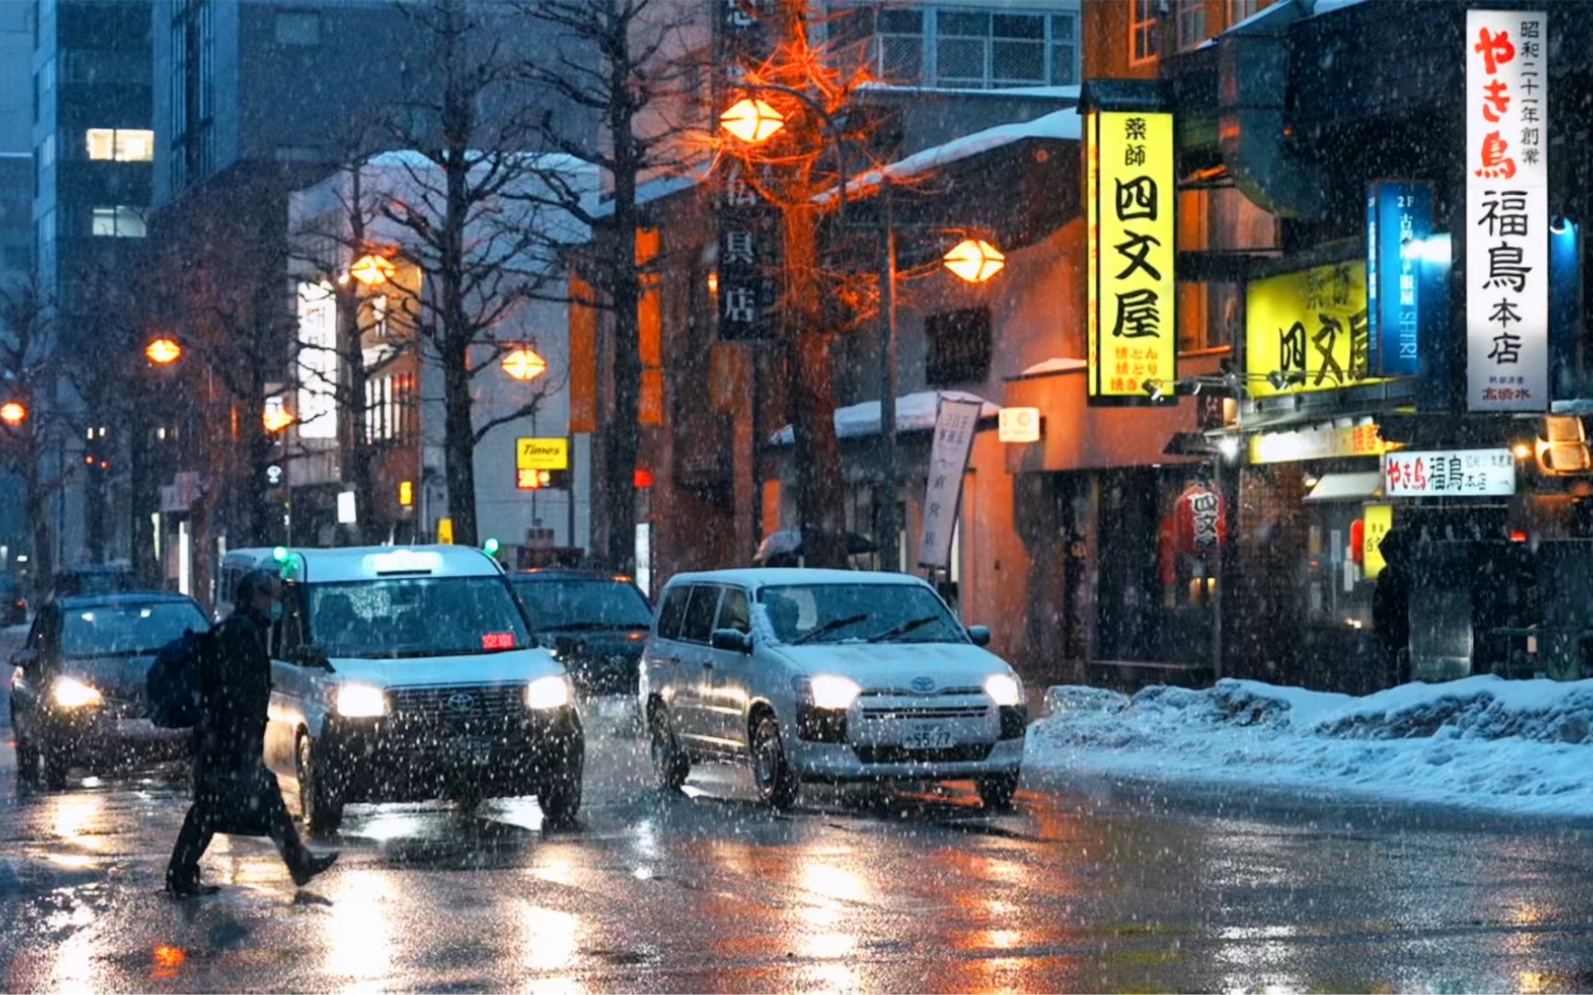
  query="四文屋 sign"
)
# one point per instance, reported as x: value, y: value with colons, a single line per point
x: 1449, y: 473
x: 1132, y: 298
x: 1308, y: 329
x: 1507, y: 210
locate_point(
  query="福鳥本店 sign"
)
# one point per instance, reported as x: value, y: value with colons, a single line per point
x: 1132, y: 299
x: 1308, y: 331
x: 1449, y: 473
x: 1507, y: 210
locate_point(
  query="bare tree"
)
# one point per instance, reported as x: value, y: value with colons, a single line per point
x: 484, y: 256
x: 29, y: 380
x: 627, y: 62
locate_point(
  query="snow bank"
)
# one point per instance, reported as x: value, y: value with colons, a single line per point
x: 1482, y: 742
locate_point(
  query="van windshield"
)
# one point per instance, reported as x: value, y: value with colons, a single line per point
x: 883, y: 613
x: 415, y: 617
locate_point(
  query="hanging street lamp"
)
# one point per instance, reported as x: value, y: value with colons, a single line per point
x: 751, y: 120
x: 524, y: 364
x: 13, y: 413
x: 371, y: 270
x: 163, y: 351
x: 974, y: 260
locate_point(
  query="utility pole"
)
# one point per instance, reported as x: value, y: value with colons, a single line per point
x: 889, y: 531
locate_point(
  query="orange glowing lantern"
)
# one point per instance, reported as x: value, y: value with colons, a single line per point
x: 974, y: 260
x: 524, y: 364
x: 371, y: 270
x: 752, y: 121
x: 13, y: 413
x: 163, y: 351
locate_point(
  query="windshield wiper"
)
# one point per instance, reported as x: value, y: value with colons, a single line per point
x: 829, y: 627
x: 904, y: 628
x: 589, y: 626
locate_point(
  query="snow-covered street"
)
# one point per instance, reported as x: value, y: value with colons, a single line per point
x: 1521, y: 747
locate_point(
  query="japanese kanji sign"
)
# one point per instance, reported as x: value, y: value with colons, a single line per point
x: 1458, y: 473
x: 1132, y: 300
x: 1507, y: 213
x: 1309, y: 329
x: 749, y: 228
x: 1400, y: 285
x: 955, y: 422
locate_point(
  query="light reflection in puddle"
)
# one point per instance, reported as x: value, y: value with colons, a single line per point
x: 76, y: 958
x: 548, y: 937
x: 167, y: 962
x: 72, y: 816
x: 358, y: 929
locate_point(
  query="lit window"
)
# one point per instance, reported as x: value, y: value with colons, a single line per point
x: 1191, y: 23
x: 952, y: 47
x: 1144, y: 35
x: 118, y: 222
x: 121, y: 144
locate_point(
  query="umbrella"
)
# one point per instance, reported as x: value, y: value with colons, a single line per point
x: 788, y: 542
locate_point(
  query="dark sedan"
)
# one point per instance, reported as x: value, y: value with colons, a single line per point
x: 77, y: 688
x: 595, y: 623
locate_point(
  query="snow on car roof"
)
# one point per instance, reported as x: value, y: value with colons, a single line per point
x: 781, y: 576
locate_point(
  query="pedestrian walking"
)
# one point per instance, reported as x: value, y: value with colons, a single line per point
x: 1391, y: 603
x: 233, y: 790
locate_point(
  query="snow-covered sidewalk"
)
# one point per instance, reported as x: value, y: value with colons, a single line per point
x: 1482, y: 742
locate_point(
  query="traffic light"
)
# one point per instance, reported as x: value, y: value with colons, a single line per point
x: 542, y: 480
x: 490, y: 547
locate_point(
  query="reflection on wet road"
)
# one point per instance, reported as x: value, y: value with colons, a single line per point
x: 1086, y: 887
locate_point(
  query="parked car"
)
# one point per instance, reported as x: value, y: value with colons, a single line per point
x: 13, y: 606
x: 595, y: 623
x: 409, y: 674
x: 827, y: 675
x: 77, y: 690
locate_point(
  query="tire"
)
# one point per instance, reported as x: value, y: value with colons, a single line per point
x: 320, y: 805
x: 27, y: 756
x: 56, y: 763
x: 996, y: 792
x: 671, y: 765
x: 771, y: 771
x: 560, y: 797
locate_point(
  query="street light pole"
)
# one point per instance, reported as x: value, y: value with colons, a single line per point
x: 888, y: 537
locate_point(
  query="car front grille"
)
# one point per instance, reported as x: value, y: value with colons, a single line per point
x: 489, y: 705
x: 892, y: 712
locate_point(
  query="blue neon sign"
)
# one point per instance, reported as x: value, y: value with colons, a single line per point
x: 1400, y: 289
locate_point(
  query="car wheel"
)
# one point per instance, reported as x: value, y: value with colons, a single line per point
x: 671, y: 765
x: 996, y: 792
x: 771, y: 772
x: 560, y: 797
x: 27, y: 756
x: 322, y: 808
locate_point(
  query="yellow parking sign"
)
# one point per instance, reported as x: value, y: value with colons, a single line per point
x: 542, y: 454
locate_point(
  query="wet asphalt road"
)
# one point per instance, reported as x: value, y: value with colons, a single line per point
x: 1088, y: 886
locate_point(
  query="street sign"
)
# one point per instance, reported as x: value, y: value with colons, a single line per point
x: 542, y: 454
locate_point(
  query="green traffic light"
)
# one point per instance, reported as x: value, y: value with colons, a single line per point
x: 490, y: 547
x: 280, y: 553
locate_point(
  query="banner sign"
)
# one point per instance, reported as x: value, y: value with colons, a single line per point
x: 317, y: 361
x: 1507, y: 211
x: 955, y: 423
x: 1449, y: 473
x: 1132, y: 298
x: 1307, y: 331
x: 1399, y: 220
x: 749, y: 227
x: 1379, y: 519
x: 1317, y: 443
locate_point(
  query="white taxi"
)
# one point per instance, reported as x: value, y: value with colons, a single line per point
x: 411, y: 673
x: 827, y: 675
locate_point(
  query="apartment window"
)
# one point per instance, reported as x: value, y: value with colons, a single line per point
x: 1191, y: 23
x: 1238, y: 10
x: 298, y: 27
x: 121, y: 144
x: 901, y: 46
x: 389, y: 403
x: 959, y: 347
x: 1144, y: 33
x: 976, y: 49
x: 118, y: 222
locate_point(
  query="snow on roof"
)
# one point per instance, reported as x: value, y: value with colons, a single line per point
x: 914, y: 413
x: 1482, y: 742
x: 1054, y: 365
x: 1063, y: 125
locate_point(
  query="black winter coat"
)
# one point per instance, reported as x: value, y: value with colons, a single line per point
x: 235, y: 690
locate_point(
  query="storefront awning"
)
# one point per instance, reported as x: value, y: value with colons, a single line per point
x: 1347, y: 487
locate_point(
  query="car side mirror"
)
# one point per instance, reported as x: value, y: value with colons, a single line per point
x: 310, y: 656
x: 731, y: 640
x: 979, y: 635
x: 28, y: 660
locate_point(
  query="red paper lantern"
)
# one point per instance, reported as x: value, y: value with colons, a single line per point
x: 1200, y: 521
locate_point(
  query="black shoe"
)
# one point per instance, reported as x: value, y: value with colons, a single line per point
x: 189, y: 887
x: 311, y: 865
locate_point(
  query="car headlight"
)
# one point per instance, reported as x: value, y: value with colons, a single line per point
x: 1004, y: 689
x: 360, y: 701
x: 830, y: 691
x: 69, y: 692
x: 548, y: 692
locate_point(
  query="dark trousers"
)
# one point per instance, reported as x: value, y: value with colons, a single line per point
x: 246, y: 803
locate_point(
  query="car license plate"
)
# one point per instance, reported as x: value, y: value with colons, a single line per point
x: 931, y: 738
x: 473, y: 749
